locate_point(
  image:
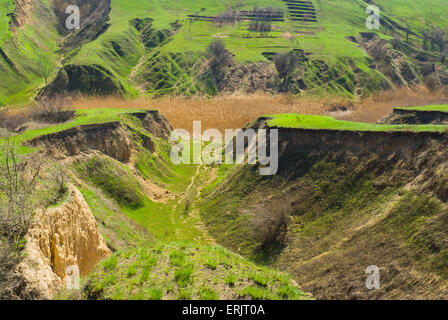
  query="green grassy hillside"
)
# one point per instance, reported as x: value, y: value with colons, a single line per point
x: 146, y: 210
x: 186, y: 271
x: 27, y: 52
x: 340, y: 202
x: 153, y: 56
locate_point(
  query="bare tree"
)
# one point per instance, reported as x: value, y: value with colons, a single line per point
x: 44, y: 68
x: 53, y: 109
x: 438, y: 37
x: 17, y: 181
x: 426, y: 39
x: 59, y: 177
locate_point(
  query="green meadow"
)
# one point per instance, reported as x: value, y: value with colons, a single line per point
x: 299, y: 121
x: 440, y: 108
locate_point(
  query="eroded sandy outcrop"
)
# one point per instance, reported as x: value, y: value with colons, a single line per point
x: 61, y: 238
x: 155, y: 123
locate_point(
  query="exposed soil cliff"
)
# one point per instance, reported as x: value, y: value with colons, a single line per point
x: 110, y: 138
x: 61, y: 238
x: 91, y: 79
x: 390, y: 62
x: 402, y: 64
x: 402, y: 116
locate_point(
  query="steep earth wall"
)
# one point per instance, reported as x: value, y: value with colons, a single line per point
x: 403, y: 116
x: 61, y: 238
x: 353, y: 199
x: 111, y: 138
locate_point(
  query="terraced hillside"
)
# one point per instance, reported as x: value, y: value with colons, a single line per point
x: 158, y: 47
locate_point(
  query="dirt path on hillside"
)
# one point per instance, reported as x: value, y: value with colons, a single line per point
x: 153, y: 191
x: 133, y: 73
x: 192, y: 196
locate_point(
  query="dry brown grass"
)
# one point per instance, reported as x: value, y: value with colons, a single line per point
x: 379, y: 106
x: 222, y: 112
x: 235, y: 111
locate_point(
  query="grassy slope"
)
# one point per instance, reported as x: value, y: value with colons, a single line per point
x: 128, y: 218
x: 186, y: 271
x: 300, y: 121
x: 440, y: 108
x: 25, y: 47
x: 336, y: 21
x: 416, y: 12
x: 327, y: 42
x: 348, y: 212
x: 147, y: 265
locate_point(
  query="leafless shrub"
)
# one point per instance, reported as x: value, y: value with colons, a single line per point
x: 59, y: 177
x: 53, y: 109
x: 189, y: 197
x: 12, y: 120
x: 260, y: 26
x: 17, y: 182
x: 432, y: 83
x: 379, y: 52
x: 270, y: 221
x: 230, y: 16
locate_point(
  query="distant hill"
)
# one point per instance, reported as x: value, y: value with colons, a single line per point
x: 158, y: 47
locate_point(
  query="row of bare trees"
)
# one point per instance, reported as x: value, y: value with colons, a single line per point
x: 260, y: 26
x: 18, y: 178
x: 55, y: 109
x: 436, y: 39
x: 267, y: 13
x: 258, y: 13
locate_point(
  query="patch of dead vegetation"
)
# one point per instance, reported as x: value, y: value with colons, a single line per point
x: 233, y: 111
